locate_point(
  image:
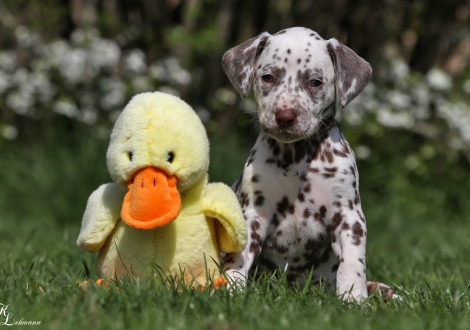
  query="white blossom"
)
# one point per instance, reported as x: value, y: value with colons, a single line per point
x: 398, y: 99
x: 5, y: 81
x: 73, y: 65
x: 134, y: 62
x: 8, y: 61
x: 77, y: 37
x: 20, y: 103
x: 170, y: 70
x: 457, y: 116
x: 396, y: 119
x: 439, y: 80
x: 88, y: 116
x: 27, y: 38
x: 114, y: 92
x: 104, y: 54
x: 177, y: 75
x: 399, y: 70
x: 66, y: 108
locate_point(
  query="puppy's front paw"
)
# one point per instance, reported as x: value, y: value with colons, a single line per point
x: 234, y: 280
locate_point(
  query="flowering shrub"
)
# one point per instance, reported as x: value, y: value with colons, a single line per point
x: 89, y: 79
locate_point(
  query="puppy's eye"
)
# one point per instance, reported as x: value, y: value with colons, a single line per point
x: 170, y: 157
x: 315, y: 83
x: 268, y: 78
x: 130, y: 155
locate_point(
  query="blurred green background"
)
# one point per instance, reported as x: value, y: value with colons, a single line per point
x: 67, y: 68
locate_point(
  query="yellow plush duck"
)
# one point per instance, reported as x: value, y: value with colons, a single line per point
x: 160, y: 210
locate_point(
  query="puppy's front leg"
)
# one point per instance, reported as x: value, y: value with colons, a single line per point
x: 349, y: 244
x: 237, y: 265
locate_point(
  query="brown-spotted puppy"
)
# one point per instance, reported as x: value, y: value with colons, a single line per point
x: 300, y: 187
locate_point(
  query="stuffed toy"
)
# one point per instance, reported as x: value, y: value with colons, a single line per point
x: 160, y: 213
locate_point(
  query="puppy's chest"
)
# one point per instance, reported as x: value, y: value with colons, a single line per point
x: 295, y: 214
x: 290, y: 199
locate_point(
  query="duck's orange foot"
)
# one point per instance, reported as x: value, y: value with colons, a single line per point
x: 103, y: 283
x: 217, y: 284
x: 220, y: 282
x: 83, y: 285
x: 100, y: 282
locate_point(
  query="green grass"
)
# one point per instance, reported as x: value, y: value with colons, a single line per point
x: 43, y: 195
x: 431, y: 278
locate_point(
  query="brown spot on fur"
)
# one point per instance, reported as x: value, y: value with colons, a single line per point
x: 358, y: 233
x: 313, y: 170
x: 321, y: 215
x: 255, y: 248
x: 357, y: 229
x: 255, y: 225
x: 284, y: 206
x: 350, y: 204
x: 308, y: 187
x: 331, y: 169
x: 361, y: 216
x: 259, y: 201
x: 307, y: 213
x: 336, y: 220
x: 275, y: 220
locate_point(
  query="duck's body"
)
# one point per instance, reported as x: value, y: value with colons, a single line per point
x: 209, y: 219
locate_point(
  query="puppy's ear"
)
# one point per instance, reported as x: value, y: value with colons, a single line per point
x: 352, y: 73
x: 239, y: 62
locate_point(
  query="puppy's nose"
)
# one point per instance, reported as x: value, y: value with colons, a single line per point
x: 286, y: 117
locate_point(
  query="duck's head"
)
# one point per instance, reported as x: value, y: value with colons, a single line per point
x: 158, y: 150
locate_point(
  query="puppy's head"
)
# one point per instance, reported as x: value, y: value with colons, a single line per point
x: 297, y: 78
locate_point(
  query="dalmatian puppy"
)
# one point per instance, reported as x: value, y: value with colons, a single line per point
x: 299, y: 189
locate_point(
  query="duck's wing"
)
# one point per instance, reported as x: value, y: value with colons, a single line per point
x: 102, y: 211
x: 219, y: 202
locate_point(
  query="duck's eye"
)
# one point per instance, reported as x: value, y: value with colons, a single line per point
x: 130, y: 155
x: 315, y: 83
x: 170, y: 157
x: 268, y: 78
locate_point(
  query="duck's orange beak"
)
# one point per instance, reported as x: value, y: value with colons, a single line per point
x: 152, y: 200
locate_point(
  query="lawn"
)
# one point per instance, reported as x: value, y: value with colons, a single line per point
x: 422, y: 254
